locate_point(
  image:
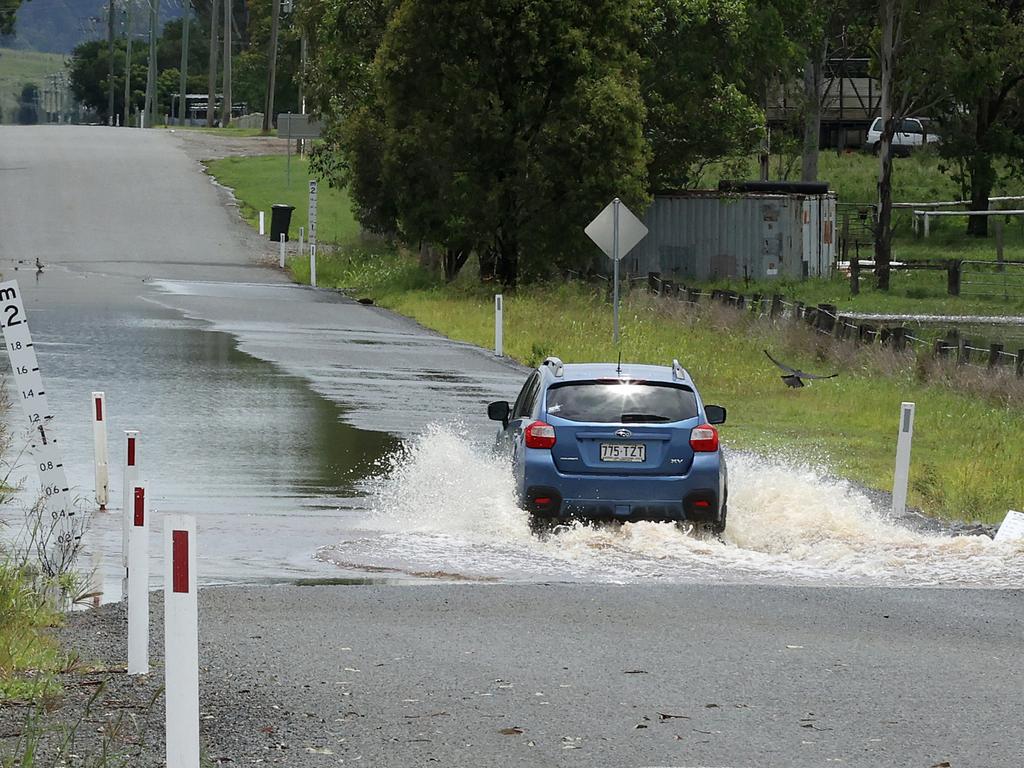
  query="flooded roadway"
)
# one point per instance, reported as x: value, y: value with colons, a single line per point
x: 314, y: 438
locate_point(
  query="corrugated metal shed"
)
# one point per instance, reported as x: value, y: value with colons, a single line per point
x: 706, y: 235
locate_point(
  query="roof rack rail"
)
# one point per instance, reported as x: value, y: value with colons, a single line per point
x: 677, y: 370
x: 556, y: 364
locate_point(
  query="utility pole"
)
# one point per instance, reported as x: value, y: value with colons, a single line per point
x: 151, y: 75
x: 128, y: 64
x: 225, y: 115
x: 268, y: 109
x: 187, y: 7
x: 110, y: 56
x: 211, y: 96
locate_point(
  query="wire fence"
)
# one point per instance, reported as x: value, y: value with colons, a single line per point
x: 826, y: 320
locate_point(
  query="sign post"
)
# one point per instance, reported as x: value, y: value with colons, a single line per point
x: 499, y: 322
x: 131, y: 479
x: 99, y: 436
x: 901, y: 477
x: 181, y: 642
x: 616, y: 230
x: 58, y: 511
x: 138, y: 584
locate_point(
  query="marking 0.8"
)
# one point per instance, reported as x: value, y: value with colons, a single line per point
x: 43, y: 444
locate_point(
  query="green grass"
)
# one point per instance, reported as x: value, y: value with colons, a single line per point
x: 229, y: 131
x: 966, y: 451
x: 28, y: 657
x: 260, y: 182
x: 20, y: 67
x: 966, y: 463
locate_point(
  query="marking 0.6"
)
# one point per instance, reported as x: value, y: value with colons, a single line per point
x: 43, y: 445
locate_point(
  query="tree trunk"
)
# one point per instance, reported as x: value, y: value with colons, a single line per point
x: 883, y: 228
x: 268, y: 108
x: 211, y: 96
x: 982, y: 176
x: 812, y: 114
x: 453, y: 260
x: 488, y: 263
x: 225, y: 111
x: 508, y: 261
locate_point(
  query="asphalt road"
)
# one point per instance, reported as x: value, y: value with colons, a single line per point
x: 431, y: 673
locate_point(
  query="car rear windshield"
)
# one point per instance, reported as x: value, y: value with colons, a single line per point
x: 621, y: 402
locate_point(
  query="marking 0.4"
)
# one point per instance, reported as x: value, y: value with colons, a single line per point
x: 43, y: 445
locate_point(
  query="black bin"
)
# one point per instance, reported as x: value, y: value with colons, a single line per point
x: 280, y: 221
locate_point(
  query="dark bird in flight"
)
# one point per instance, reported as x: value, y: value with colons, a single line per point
x: 793, y: 377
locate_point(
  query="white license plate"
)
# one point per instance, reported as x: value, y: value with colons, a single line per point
x: 623, y: 452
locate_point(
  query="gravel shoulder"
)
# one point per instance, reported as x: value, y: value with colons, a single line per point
x: 571, y: 675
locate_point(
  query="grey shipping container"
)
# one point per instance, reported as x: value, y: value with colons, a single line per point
x: 707, y: 235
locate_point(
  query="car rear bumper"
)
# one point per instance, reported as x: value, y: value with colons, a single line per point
x: 695, y: 496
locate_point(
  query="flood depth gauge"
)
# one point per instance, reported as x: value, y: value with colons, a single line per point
x: 58, y: 511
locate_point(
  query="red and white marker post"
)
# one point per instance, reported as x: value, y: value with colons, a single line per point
x: 181, y: 642
x: 99, y: 435
x: 131, y: 479
x: 138, y: 584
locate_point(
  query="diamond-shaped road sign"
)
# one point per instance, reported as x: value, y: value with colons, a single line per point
x: 602, y: 230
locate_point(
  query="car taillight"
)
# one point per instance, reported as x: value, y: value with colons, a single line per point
x: 704, y: 438
x: 540, y: 435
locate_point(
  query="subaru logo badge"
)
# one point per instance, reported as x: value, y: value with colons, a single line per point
x: 623, y: 433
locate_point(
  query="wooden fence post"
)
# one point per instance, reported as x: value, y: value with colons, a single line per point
x: 798, y: 311
x: 776, y: 306
x: 866, y: 333
x: 827, y: 317
x: 953, y: 276
x: 1020, y: 363
x: 855, y: 276
x: 995, y: 351
x: 939, y: 348
x: 654, y: 283
x: 963, y: 354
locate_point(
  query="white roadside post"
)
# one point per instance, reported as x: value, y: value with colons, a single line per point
x: 616, y: 230
x: 499, y: 326
x: 302, y: 240
x: 262, y: 223
x: 312, y: 264
x: 901, y: 477
x: 282, y: 250
x: 181, y: 642
x: 131, y: 479
x: 138, y: 584
x: 99, y: 437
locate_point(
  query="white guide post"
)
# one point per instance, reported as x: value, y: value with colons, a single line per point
x: 262, y: 223
x: 282, y: 251
x: 181, y: 642
x: 131, y: 479
x: 302, y: 240
x: 138, y: 584
x: 901, y: 477
x: 63, y: 536
x: 312, y: 264
x: 499, y: 322
x: 99, y: 436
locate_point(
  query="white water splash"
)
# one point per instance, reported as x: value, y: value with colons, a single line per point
x: 444, y: 506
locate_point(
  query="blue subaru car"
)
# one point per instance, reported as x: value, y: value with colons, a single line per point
x: 606, y: 442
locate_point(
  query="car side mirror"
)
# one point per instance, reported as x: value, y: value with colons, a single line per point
x: 715, y: 414
x: 499, y: 411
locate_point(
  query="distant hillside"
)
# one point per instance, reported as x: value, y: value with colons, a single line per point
x: 20, y: 67
x: 57, y: 26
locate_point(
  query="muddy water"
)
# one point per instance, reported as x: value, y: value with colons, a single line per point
x: 270, y: 468
x: 443, y: 507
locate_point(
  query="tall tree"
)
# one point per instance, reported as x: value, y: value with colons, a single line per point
x: 8, y: 15
x: 514, y: 127
x: 976, y: 80
x: 211, y: 95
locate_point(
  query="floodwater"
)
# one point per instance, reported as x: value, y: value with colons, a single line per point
x: 443, y: 508
x: 312, y: 447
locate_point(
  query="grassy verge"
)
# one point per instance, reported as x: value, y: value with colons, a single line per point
x: 966, y: 457
x: 260, y: 182
x: 29, y: 658
x: 229, y: 131
x: 19, y: 67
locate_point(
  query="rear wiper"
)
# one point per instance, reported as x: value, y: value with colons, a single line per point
x: 628, y: 418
